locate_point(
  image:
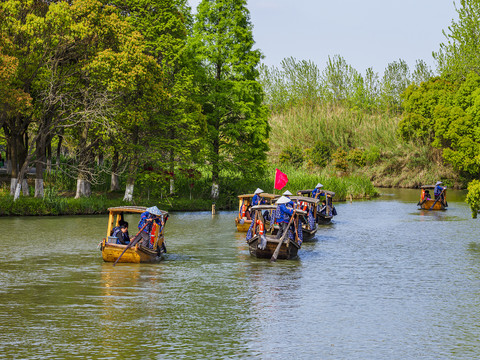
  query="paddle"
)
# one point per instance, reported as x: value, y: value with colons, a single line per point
x: 438, y: 198
x: 132, y: 242
x: 280, y: 242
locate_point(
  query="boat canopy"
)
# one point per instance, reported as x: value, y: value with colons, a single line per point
x: 264, y: 195
x: 326, y: 192
x: 428, y: 186
x: 305, y: 199
x: 131, y: 209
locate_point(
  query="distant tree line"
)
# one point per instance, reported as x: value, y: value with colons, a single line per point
x: 301, y: 81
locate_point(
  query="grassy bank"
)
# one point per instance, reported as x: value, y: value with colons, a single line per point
x: 338, y: 141
x: 63, y: 203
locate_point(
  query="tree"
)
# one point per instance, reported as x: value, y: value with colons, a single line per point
x: 231, y: 97
x: 460, y: 54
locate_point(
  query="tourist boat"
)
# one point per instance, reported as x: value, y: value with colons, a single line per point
x: 137, y: 253
x: 427, y: 203
x: 307, y: 204
x: 243, y: 220
x: 262, y: 243
x: 326, y: 213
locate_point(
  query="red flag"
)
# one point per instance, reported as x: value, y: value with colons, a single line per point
x: 281, y: 179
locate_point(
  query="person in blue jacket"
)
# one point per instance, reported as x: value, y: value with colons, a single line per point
x: 438, y: 189
x: 257, y: 199
x: 317, y: 192
x: 285, y: 213
x: 151, y: 215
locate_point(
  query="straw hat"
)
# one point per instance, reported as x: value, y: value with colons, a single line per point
x: 439, y: 183
x: 318, y: 186
x: 258, y: 191
x: 287, y: 193
x: 283, y: 200
x: 154, y: 210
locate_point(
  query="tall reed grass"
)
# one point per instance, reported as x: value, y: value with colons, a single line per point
x: 337, y: 126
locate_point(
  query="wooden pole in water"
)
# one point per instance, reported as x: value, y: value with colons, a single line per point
x: 213, y: 209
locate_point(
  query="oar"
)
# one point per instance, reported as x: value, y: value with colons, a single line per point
x: 438, y: 198
x: 131, y: 243
x: 280, y: 242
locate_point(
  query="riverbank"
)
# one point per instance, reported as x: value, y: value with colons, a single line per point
x: 64, y: 203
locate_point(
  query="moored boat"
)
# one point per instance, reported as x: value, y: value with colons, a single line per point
x: 137, y: 253
x: 427, y: 203
x: 243, y: 220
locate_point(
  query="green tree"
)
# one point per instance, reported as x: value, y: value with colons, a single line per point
x: 460, y: 54
x: 230, y: 94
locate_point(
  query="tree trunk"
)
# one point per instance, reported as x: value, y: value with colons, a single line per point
x: 130, y: 183
x: 83, y: 187
x: 14, y: 166
x: 215, y: 171
x: 40, y: 152
x: 132, y: 169
x: 49, y: 157
x: 59, y: 148
x: 115, y: 184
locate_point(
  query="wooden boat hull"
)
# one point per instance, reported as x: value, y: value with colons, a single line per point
x: 246, y: 225
x: 136, y: 254
x: 308, y: 235
x: 322, y: 219
x: 428, y: 204
x: 288, y: 250
x: 243, y: 227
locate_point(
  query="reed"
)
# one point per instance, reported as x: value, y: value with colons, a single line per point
x: 337, y: 126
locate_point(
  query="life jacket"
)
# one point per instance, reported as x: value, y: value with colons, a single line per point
x: 423, y: 195
x: 260, y: 227
x: 152, y: 234
x: 244, y: 209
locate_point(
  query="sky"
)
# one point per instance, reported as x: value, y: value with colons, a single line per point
x: 368, y: 33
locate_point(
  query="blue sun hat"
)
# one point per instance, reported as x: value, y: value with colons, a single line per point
x: 154, y: 210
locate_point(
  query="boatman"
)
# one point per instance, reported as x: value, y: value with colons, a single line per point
x: 257, y: 199
x: 438, y: 190
x: 148, y: 217
x: 283, y: 215
x: 287, y: 194
x: 317, y: 192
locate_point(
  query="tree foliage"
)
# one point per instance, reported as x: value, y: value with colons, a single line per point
x: 460, y: 54
x: 230, y: 95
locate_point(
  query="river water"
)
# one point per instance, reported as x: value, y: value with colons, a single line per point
x: 384, y: 281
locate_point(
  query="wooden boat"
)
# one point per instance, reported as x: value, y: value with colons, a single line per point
x: 326, y: 213
x: 432, y: 204
x: 243, y: 220
x: 137, y: 253
x: 289, y: 248
x: 306, y: 203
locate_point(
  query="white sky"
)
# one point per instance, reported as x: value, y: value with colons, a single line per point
x: 368, y: 33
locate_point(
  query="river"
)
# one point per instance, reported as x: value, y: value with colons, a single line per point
x: 383, y: 281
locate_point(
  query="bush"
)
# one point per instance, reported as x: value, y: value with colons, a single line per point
x: 340, y: 160
x: 292, y: 155
x: 356, y: 157
x: 321, y: 153
x: 473, y: 197
x: 371, y: 155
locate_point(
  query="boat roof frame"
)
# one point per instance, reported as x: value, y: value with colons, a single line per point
x: 131, y: 210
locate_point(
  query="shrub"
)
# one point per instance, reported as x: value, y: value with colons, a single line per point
x: 340, y: 160
x: 473, y: 197
x: 356, y: 157
x: 292, y: 155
